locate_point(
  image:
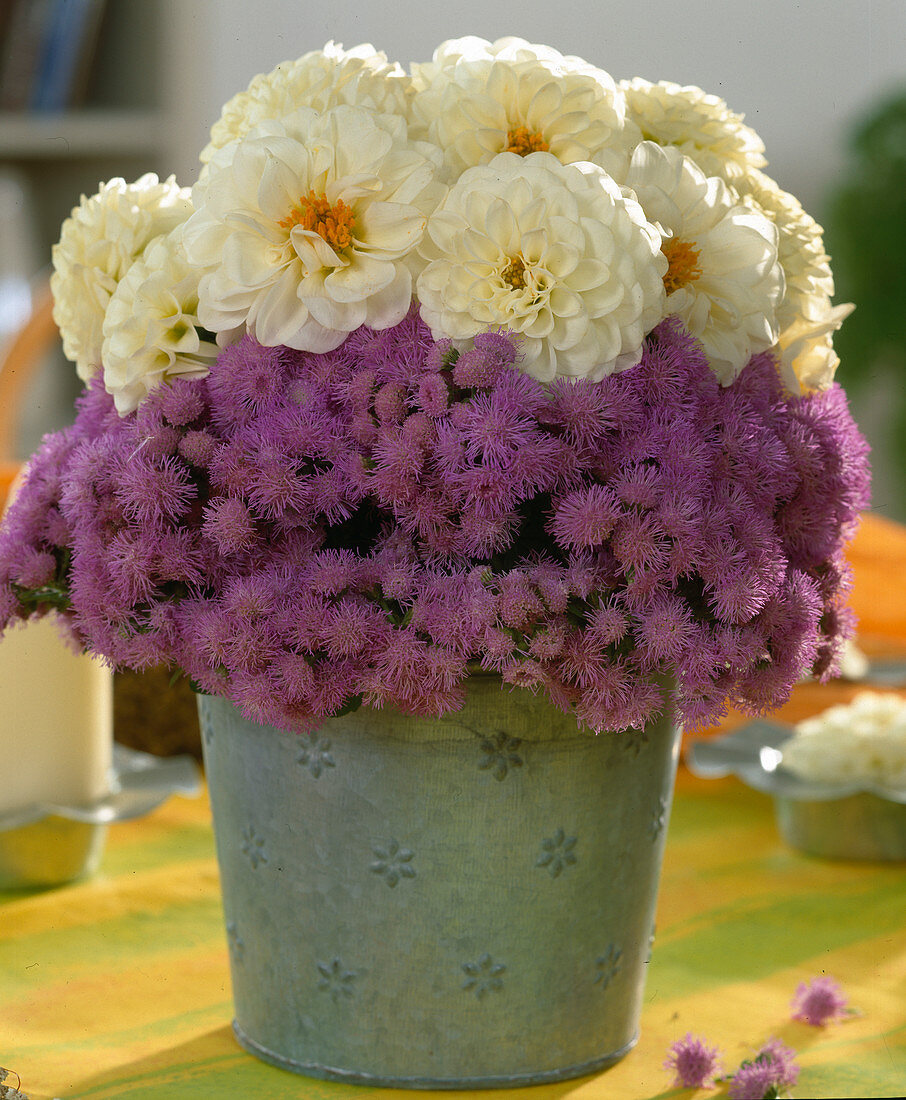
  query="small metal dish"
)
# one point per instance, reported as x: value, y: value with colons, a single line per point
x: 852, y: 820
x: 47, y: 844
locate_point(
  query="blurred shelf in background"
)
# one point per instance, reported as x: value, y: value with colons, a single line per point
x: 85, y: 133
x: 81, y: 101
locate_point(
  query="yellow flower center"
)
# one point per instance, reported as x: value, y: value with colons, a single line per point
x: 335, y: 224
x: 682, y: 264
x: 523, y: 142
x: 514, y: 274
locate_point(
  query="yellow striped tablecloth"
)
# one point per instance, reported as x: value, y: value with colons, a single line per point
x: 119, y: 986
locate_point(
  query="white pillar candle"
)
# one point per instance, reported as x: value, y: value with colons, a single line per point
x: 56, y: 723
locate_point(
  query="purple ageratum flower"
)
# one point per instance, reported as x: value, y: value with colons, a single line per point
x: 229, y: 525
x: 585, y: 517
x: 693, y: 1064
x: 483, y: 365
x: 390, y: 403
x: 769, y: 1074
x: 820, y: 1001
x: 246, y: 378
x: 433, y: 395
x: 248, y: 480
x: 179, y: 403
x: 151, y: 490
x: 197, y: 448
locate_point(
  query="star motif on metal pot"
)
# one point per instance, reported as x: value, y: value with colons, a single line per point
x: 500, y: 754
x: 315, y: 754
x: 633, y: 740
x: 253, y: 847
x: 393, y: 862
x: 236, y: 944
x: 658, y: 818
x: 335, y: 979
x: 650, y: 944
x: 608, y: 966
x: 557, y: 853
x: 483, y: 977
x: 206, y: 726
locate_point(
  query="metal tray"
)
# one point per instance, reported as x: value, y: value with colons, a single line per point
x: 47, y: 844
x: 850, y: 820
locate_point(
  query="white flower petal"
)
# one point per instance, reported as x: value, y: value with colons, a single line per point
x: 151, y: 325
x: 98, y: 244
x: 359, y: 280
x: 321, y: 79
x: 297, y: 257
x: 278, y: 316
x: 390, y: 227
x: 506, y: 260
x: 699, y: 125
x: 730, y: 303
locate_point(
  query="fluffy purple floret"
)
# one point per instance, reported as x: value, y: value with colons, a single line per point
x: 693, y: 1064
x: 299, y: 532
x: 770, y: 1073
x: 820, y: 1001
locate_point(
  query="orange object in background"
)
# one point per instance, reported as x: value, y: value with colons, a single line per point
x: 9, y: 471
x: 878, y: 557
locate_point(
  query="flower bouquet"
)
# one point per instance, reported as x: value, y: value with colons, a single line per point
x: 496, y: 372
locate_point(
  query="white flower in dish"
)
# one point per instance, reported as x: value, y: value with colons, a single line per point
x: 700, y: 125
x: 307, y: 231
x: 151, y: 330
x: 723, y: 278
x: 807, y: 358
x: 556, y: 253
x: 98, y: 244
x: 360, y: 77
x: 478, y: 99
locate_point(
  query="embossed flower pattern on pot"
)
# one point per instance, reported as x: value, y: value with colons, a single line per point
x: 315, y: 754
x: 633, y: 741
x: 500, y: 754
x: 658, y: 818
x: 235, y: 941
x: 335, y: 979
x: 483, y: 977
x: 557, y: 853
x: 253, y: 846
x: 393, y: 862
x: 607, y: 966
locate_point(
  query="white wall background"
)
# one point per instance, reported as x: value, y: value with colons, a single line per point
x: 800, y: 72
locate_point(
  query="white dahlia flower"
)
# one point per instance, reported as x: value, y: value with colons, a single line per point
x: 478, y: 99
x: 151, y: 330
x: 807, y: 357
x: 470, y: 48
x: 360, y: 77
x: 556, y: 253
x: 98, y: 244
x: 307, y: 229
x: 800, y: 249
x: 723, y: 278
x: 700, y: 125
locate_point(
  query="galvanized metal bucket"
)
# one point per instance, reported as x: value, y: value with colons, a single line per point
x: 460, y: 902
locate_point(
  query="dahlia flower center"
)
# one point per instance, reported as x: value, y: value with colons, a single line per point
x: 334, y: 223
x: 523, y: 141
x: 514, y: 274
x: 682, y: 264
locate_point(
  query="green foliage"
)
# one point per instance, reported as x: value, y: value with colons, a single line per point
x: 866, y: 236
